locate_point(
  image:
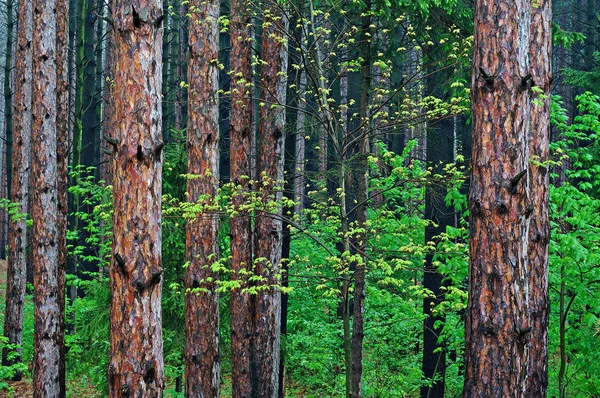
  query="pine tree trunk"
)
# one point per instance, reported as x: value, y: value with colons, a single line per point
x: 62, y: 160
x: 6, y: 166
x: 47, y: 213
x: 136, y: 361
x: 242, y: 120
x: 21, y: 164
x: 507, y: 315
x: 202, y: 368
x: 539, y: 229
x: 270, y: 162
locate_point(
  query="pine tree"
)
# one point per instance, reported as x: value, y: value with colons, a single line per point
x: 507, y: 314
x: 136, y: 361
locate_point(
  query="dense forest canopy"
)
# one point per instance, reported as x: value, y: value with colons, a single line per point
x: 300, y: 198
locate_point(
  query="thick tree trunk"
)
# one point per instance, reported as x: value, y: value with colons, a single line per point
x: 136, y: 362
x: 242, y: 121
x: 49, y: 37
x: 507, y: 315
x: 21, y: 164
x: 202, y: 371
x: 539, y: 229
x: 270, y: 162
x: 62, y: 160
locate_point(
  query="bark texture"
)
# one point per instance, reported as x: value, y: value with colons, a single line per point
x: 48, y: 362
x: 6, y: 146
x: 62, y: 178
x: 539, y: 229
x: 202, y: 370
x: 506, y: 332
x: 136, y: 362
x: 271, y: 124
x: 19, y: 191
x: 242, y: 120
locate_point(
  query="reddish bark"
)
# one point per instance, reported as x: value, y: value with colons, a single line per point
x: 267, y: 317
x: 62, y: 158
x: 136, y: 362
x: 48, y: 361
x: 242, y: 120
x: 202, y: 369
x: 21, y: 167
x: 506, y: 344
x: 540, y: 42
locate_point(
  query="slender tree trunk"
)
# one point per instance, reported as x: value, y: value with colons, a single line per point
x: 271, y: 141
x: 202, y: 371
x: 136, y: 361
x: 507, y: 315
x: 21, y: 164
x: 49, y: 37
x: 6, y: 165
x: 242, y: 122
x: 361, y: 217
x: 562, y: 386
x: 440, y: 152
x: 107, y: 103
x: 345, y: 278
x: 181, y: 67
x: 300, y: 148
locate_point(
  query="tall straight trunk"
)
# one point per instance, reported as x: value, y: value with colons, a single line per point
x: 107, y: 102
x: 181, y: 67
x: 172, y: 83
x: 136, y: 362
x: 49, y: 38
x: 167, y: 120
x: 202, y: 371
x: 99, y: 54
x: 21, y: 164
x: 300, y: 148
x: 270, y: 162
x: 362, y: 196
x: 62, y: 161
x: 440, y: 152
x: 241, y: 131
x: 507, y: 315
x: 540, y: 54
x: 89, y: 112
x: 6, y: 165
